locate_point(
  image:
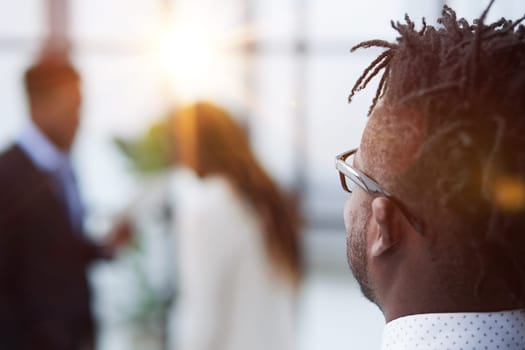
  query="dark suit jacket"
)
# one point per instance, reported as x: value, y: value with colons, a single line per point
x: 44, y: 294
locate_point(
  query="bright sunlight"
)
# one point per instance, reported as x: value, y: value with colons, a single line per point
x: 201, y: 58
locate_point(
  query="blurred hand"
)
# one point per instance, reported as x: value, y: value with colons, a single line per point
x: 119, y: 236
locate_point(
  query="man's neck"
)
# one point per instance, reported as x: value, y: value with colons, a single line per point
x: 431, y: 297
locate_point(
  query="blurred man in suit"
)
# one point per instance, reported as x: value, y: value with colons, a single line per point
x: 436, y: 220
x: 44, y: 254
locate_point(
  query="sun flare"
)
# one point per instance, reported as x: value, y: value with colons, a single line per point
x: 200, y: 60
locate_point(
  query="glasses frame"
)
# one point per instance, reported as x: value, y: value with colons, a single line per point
x: 369, y: 185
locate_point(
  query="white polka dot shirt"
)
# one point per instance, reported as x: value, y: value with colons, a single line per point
x: 503, y: 330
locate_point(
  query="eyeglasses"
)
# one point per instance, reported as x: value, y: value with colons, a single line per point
x: 351, y: 177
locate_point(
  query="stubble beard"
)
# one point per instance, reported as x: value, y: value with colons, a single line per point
x: 356, y: 244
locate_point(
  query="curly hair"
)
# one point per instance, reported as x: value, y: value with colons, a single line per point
x: 468, y: 83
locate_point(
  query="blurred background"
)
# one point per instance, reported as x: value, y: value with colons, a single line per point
x: 282, y: 67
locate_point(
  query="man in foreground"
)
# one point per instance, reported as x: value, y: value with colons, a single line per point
x: 44, y: 254
x: 436, y: 219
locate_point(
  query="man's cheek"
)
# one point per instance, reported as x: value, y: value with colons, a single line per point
x: 347, y: 215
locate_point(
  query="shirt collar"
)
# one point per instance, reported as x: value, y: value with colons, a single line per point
x: 454, y: 331
x: 42, y: 152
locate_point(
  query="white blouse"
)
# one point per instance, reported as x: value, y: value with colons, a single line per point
x: 230, y: 296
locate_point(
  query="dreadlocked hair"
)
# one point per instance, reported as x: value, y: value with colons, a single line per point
x: 467, y: 81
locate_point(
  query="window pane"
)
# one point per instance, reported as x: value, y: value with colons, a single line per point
x: 12, y: 94
x: 343, y: 20
x: 126, y: 20
x: 333, y: 126
x: 272, y: 118
x: 274, y: 19
x: 122, y: 96
x: 22, y: 18
x: 511, y: 9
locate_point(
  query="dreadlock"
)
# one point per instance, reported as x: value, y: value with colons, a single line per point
x: 443, y: 46
x: 467, y: 80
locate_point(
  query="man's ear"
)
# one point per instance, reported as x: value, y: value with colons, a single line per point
x: 387, y: 228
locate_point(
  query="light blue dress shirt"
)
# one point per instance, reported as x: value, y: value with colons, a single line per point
x: 50, y: 159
